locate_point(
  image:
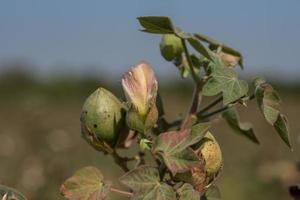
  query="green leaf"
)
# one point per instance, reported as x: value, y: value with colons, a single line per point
x: 231, y: 51
x: 268, y: 102
x: 197, y: 62
x: 244, y: 128
x: 225, y: 80
x: 174, y: 147
x: 187, y: 192
x: 145, y: 183
x: 199, y: 47
x: 214, y: 44
x: 11, y: 193
x: 281, y: 126
x: 86, y: 184
x: 156, y: 24
x: 177, y: 156
x: 213, y: 193
x: 206, y: 39
x: 180, y: 33
x: 198, y: 132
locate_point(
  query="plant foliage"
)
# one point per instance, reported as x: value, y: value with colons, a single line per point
x: 187, y: 156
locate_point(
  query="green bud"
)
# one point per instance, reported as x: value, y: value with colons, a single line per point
x: 170, y: 46
x: 102, y: 119
x: 145, y: 144
x: 210, y: 155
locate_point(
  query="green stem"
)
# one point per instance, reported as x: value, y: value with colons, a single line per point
x: 221, y: 109
x: 190, y: 62
x: 215, y: 112
x: 187, y: 122
x: 209, y: 106
x: 162, y: 170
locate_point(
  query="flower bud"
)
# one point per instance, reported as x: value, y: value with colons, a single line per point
x: 210, y: 155
x: 102, y: 119
x: 170, y: 46
x: 229, y: 60
x: 140, y: 88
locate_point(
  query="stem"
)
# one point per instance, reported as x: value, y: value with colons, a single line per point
x: 122, y: 162
x: 187, y: 122
x: 215, y: 112
x: 252, y: 96
x: 127, y: 194
x: 221, y: 109
x: 162, y: 170
x: 189, y: 60
x: 140, y: 159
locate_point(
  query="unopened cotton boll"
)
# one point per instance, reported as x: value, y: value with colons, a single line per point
x: 102, y: 119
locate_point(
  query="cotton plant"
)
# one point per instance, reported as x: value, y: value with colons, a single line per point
x: 186, y: 157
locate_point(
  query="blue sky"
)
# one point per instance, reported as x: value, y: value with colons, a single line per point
x: 88, y: 36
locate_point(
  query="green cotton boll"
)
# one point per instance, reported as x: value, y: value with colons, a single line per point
x: 170, y: 46
x: 102, y: 115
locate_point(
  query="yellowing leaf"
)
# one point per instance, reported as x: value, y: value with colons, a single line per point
x: 268, y: 102
x: 86, y: 184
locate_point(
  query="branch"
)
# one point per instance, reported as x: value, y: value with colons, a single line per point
x: 190, y: 62
x: 122, y: 162
x: 188, y: 121
x: 198, y: 87
x: 222, y: 109
x: 140, y: 159
x: 215, y: 112
x: 209, y: 106
x: 127, y: 194
x: 162, y: 170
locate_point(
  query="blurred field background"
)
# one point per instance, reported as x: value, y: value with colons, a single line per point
x: 53, y: 54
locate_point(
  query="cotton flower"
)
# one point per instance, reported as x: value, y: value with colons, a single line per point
x: 140, y: 88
